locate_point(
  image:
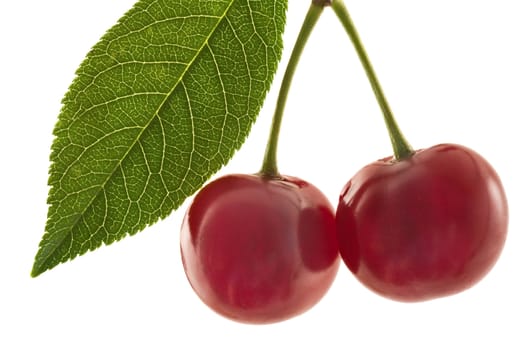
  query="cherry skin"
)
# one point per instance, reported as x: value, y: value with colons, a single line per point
x: 424, y: 227
x: 260, y: 250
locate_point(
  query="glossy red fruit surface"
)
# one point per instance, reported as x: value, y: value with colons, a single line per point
x: 260, y: 250
x: 424, y: 227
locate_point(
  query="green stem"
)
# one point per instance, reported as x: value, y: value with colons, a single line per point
x: 400, y: 145
x: 269, y: 166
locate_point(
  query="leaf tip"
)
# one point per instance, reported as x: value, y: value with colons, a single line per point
x: 36, y: 271
x: 39, y: 266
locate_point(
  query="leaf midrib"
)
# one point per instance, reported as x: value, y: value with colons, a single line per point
x: 44, y: 261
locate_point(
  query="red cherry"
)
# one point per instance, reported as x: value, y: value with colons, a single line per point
x: 260, y: 250
x: 423, y: 227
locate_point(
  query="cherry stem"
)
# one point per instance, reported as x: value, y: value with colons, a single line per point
x: 269, y: 167
x: 402, y: 148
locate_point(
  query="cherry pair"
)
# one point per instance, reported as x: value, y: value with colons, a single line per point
x: 416, y: 226
x: 260, y: 249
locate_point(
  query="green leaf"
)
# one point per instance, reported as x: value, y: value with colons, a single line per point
x: 160, y: 103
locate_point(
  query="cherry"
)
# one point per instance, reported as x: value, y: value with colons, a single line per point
x: 421, y: 224
x: 262, y: 248
x: 427, y: 226
x: 258, y: 249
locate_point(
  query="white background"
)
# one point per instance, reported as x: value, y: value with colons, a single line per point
x: 454, y: 71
